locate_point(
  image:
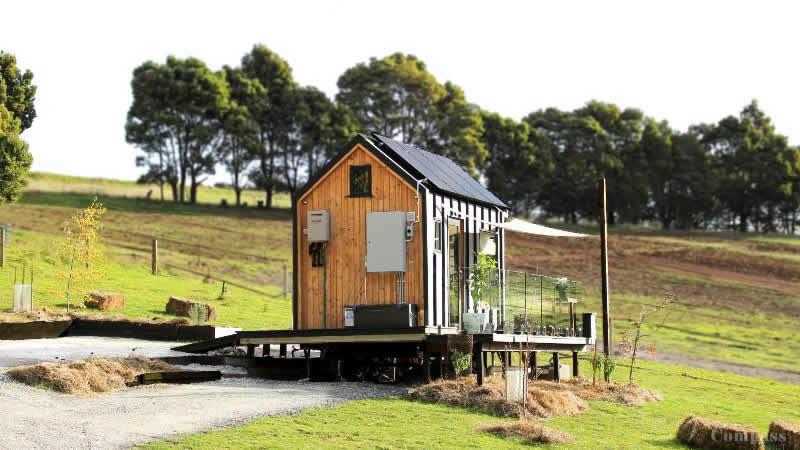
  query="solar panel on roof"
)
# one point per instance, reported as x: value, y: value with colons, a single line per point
x: 442, y: 172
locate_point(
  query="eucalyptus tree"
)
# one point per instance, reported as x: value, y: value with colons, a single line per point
x: 175, y: 120
x: 238, y: 146
x: 513, y: 169
x: 757, y: 169
x: 397, y: 97
x: 272, y: 110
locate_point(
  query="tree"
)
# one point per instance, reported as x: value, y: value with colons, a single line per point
x: 397, y: 97
x: 16, y: 115
x: 561, y: 161
x: 756, y: 166
x: 513, y: 171
x: 17, y: 91
x: 80, y: 252
x: 272, y: 111
x: 238, y: 146
x: 324, y: 127
x: 175, y: 120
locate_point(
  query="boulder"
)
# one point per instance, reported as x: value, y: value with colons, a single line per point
x: 180, y: 307
x: 104, y: 300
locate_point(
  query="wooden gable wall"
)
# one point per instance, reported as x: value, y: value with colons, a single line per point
x: 348, y: 283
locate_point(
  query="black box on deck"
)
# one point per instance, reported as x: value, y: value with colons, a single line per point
x: 384, y: 316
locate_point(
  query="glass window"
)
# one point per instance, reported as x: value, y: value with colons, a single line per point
x: 360, y: 181
x: 437, y: 235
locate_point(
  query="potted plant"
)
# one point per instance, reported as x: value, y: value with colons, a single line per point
x: 480, y: 277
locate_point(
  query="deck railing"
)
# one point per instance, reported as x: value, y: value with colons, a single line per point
x: 527, y: 302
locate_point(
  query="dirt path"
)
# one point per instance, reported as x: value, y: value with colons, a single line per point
x: 783, y: 376
x: 35, y: 418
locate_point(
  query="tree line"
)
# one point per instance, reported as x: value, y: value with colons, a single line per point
x: 270, y: 133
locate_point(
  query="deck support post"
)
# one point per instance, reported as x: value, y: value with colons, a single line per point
x: 282, y: 351
x: 265, y: 350
x: 251, y: 350
x: 426, y: 366
x: 534, y: 375
x: 479, y: 357
x: 556, y: 363
x: 575, y: 371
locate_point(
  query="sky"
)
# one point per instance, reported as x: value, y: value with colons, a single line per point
x: 684, y: 62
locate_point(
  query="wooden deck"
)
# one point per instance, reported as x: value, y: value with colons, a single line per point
x: 490, y: 342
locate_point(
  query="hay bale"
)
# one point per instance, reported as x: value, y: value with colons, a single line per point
x: 103, y: 300
x: 529, y: 431
x: 784, y: 435
x: 88, y: 375
x: 181, y: 306
x: 711, y: 434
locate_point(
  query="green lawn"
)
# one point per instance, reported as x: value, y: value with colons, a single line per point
x: 398, y: 423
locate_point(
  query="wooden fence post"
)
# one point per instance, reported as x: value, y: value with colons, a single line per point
x: 2, y: 246
x: 608, y: 343
x: 155, y: 257
x: 285, y: 282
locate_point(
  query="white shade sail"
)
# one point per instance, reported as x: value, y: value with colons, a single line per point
x: 523, y: 226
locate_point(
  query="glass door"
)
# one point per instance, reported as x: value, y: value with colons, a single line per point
x: 454, y: 255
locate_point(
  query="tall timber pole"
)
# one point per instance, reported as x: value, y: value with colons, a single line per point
x: 608, y: 344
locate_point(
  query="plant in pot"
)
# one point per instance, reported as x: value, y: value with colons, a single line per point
x: 481, y: 275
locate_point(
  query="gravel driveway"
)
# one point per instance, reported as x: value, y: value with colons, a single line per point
x: 34, y: 418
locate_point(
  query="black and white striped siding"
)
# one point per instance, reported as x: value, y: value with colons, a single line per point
x: 477, y: 218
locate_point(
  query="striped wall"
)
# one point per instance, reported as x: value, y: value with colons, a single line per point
x: 476, y: 218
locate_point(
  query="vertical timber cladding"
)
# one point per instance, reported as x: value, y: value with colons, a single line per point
x: 348, y: 282
x: 477, y: 217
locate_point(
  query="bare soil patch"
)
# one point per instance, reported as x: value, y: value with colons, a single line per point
x: 699, y: 276
x: 531, y: 432
x: 91, y: 375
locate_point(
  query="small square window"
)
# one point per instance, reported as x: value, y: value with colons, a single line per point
x: 437, y: 235
x: 361, y: 181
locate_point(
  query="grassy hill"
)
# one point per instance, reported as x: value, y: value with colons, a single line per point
x: 738, y: 295
x: 248, y: 247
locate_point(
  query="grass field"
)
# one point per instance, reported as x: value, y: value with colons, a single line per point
x: 245, y: 246
x: 48, y: 182
x: 738, y: 295
x: 738, y: 299
x: 398, y: 423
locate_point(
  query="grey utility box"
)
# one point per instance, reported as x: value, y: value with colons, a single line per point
x: 386, y: 241
x: 319, y: 226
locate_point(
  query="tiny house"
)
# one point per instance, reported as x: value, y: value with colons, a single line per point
x: 388, y: 223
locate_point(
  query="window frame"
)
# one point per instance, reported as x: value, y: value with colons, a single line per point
x: 353, y: 171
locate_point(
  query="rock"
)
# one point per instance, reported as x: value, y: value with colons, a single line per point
x: 180, y: 307
x: 104, y: 300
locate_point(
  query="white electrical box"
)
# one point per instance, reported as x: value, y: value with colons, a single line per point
x: 386, y: 241
x: 319, y: 226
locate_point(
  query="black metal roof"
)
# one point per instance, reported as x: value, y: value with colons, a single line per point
x: 441, y: 172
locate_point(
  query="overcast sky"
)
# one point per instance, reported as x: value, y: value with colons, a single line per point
x: 686, y: 62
